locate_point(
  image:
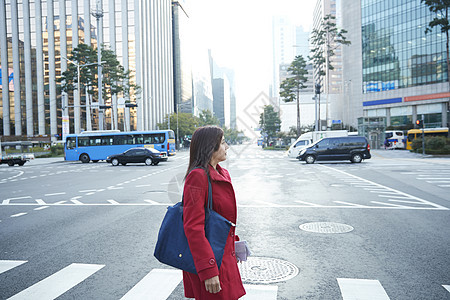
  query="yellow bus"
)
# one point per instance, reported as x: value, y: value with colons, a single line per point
x: 417, y: 133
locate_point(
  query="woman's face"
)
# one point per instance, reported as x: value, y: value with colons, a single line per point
x: 221, y: 153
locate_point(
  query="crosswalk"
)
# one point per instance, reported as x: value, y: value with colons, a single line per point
x: 159, y: 284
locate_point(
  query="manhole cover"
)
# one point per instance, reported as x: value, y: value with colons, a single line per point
x: 326, y: 227
x: 266, y: 270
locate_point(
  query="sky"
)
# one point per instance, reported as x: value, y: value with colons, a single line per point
x: 239, y: 34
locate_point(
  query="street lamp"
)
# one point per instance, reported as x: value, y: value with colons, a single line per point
x: 78, y: 98
x: 98, y: 14
x: 78, y: 101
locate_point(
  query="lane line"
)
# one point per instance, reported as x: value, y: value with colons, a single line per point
x: 447, y: 287
x: 40, y: 202
x: 58, y: 283
x: 42, y: 207
x: 156, y: 285
x: 113, y: 202
x: 55, y: 194
x: 18, y: 215
x: 393, y: 191
x: 6, y: 265
x: 361, y: 289
x: 260, y: 292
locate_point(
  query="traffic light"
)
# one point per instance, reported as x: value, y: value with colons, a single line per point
x: 104, y: 106
x: 130, y: 105
x: 318, y: 86
x: 419, y: 123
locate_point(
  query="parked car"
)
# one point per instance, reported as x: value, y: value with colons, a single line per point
x: 353, y: 148
x: 148, y: 156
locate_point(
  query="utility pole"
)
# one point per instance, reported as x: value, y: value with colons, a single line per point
x: 98, y: 14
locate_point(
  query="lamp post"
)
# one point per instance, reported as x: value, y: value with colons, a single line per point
x: 98, y: 14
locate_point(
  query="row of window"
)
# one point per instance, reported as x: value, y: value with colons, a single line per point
x: 131, y: 139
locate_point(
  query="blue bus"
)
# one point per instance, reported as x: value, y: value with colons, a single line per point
x: 98, y: 145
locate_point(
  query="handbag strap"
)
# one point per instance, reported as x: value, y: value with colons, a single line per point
x: 210, y: 203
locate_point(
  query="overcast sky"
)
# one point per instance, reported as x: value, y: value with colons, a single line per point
x: 239, y: 33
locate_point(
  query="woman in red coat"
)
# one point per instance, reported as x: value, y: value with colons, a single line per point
x: 207, y: 149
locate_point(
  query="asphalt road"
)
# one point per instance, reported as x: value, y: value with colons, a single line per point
x: 87, y: 231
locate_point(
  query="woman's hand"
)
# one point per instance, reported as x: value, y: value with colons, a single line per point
x: 212, y: 285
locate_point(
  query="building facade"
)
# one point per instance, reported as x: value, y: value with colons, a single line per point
x: 393, y: 70
x: 37, y: 36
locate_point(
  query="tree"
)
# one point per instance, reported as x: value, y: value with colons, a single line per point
x: 440, y: 8
x: 291, y: 86
x: 187, y: 124
x: 325, y: 40
x: 207, y: 118
x: 115, y: 78
x: 269, y: 122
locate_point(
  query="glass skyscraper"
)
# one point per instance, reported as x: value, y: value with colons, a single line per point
x: 396, y: 51
x: 37, y: 35
x: 393, y: 70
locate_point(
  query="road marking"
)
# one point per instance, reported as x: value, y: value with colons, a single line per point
x: 6, y: 265
x: 361, y: 289
x: 447, y: 287
x: 156, y: 285
x: 60, y: 202
x: 76, y: 202
x: 87, y: 191
x: 42, y: 207
x: 307, y: 203
x: 40, y: 202
x: 113, y: 202
x: 143, y: 185
x: 18, y: 215
x: 55, y: 194
x: 260, y: 292
x: 391, y: 191
x: 58, y: 283
x: 6, y: 201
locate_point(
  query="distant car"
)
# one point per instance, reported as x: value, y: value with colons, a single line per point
x: 353, y: 148
x: 148, y: 156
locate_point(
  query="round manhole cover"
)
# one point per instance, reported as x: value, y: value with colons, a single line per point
x: 326, y: 227
x: 266, y: 270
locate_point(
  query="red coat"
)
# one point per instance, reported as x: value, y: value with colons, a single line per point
x: 224, y: 203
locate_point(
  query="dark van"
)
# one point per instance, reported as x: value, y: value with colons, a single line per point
x: 353, y: 148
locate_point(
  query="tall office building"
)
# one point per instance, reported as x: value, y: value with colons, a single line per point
x: 393, y: 71
x: 332, y: 82
x: 182, y: 68
x: 36, y: 35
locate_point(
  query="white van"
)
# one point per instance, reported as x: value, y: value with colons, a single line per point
x: 308, y: 138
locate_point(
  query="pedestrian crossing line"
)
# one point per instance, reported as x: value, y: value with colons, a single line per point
x: 58, y: 283
x: 361, y: 289
x: 156, y: 285
x: 260, y: 292
x: 447, y: 287
x: 6, y: 265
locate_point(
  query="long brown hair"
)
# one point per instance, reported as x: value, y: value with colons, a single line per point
x: 205, y: 141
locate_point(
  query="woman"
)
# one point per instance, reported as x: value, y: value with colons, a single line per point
x: 208, y: 148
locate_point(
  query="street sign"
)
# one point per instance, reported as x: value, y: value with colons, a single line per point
x: 336, y: 121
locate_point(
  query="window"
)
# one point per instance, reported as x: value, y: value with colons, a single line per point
x: 71, y: 143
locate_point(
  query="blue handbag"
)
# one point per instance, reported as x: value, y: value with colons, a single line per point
x: 172, y: 247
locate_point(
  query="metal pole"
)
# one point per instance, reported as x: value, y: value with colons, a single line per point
x: 99, y: 14
x: 423, y: 135
x: 77, y: 110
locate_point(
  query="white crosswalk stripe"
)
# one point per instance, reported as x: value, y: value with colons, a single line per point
x: 6, y: 265
x: 58, y: 283
x: 260, y: 292
x: 159, y: 284
x: 361, y: 289
x: 156, y: 285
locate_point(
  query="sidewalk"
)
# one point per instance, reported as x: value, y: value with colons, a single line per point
x: 45, y: 161
x: 406, y: 154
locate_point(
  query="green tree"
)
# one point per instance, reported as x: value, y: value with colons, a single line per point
x: 207, y: 118
x: 440, y: 8
x: 269, y: 122
x: 291, y: 86
x: 186, y: 125
x: 114, y: 78
x: 325, y: 39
